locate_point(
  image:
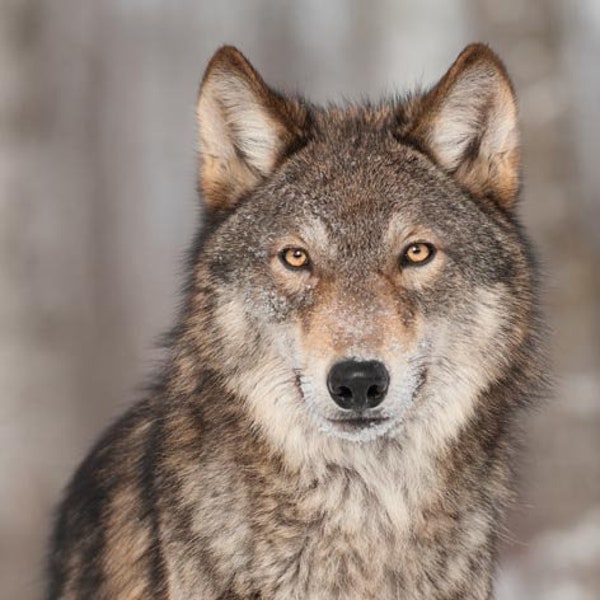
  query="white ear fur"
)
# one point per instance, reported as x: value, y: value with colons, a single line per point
x: 232, y: 120
x: 477, y: 109
x: 245, y: 128
x: 468, y: 122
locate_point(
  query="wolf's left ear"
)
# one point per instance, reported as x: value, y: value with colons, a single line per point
x: 468, y: 124
x: 246, y: 129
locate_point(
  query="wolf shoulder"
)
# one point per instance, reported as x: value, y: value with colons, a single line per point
x: 139, y: 490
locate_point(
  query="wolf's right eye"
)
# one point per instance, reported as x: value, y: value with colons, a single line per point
x: 294, y: 258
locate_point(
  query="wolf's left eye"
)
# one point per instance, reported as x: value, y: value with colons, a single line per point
x: 417, y: 254
x: 294, y: 258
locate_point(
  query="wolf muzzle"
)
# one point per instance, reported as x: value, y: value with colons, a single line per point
x: 358, y: 385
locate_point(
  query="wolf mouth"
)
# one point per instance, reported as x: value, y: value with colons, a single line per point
x: 358, y: 423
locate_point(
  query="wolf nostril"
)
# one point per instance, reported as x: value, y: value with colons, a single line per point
x: 358, y: 385
x: 345, y: 392
x: 374, y: 392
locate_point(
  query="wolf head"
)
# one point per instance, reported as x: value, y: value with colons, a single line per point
x: 361, y: 268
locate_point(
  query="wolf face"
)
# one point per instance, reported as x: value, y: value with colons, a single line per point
x: 362, y: 267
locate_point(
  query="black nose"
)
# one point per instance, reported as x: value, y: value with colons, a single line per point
x: 358, y: 385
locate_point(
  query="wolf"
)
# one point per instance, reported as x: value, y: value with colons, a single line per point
x: 338, y: 413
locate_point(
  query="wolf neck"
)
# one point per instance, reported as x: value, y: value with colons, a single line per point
x: 406, y: 477
x: 427, y: 511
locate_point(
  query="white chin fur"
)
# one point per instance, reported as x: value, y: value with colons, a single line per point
x: 368, y: 433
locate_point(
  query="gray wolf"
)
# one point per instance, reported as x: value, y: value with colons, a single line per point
x: 336, y: 417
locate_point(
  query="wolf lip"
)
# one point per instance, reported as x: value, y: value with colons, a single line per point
x: 358, y: 422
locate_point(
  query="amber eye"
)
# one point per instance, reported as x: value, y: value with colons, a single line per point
x: 294, y: 258
x: 417, y: 254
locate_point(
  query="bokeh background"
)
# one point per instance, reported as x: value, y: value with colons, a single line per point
x: 97, y: 206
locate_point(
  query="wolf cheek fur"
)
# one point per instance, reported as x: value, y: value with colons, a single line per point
x: 336, y: 416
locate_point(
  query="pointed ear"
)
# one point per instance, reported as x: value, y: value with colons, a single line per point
x: 246, y: 129
x: 468, y: 124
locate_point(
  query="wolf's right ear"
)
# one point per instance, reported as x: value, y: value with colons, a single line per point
x: 246, y: 129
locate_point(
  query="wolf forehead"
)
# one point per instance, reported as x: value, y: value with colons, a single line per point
x: 358, y: 190
x: 356, y: 172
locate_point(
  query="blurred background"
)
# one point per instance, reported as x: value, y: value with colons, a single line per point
x: 97, y: 206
